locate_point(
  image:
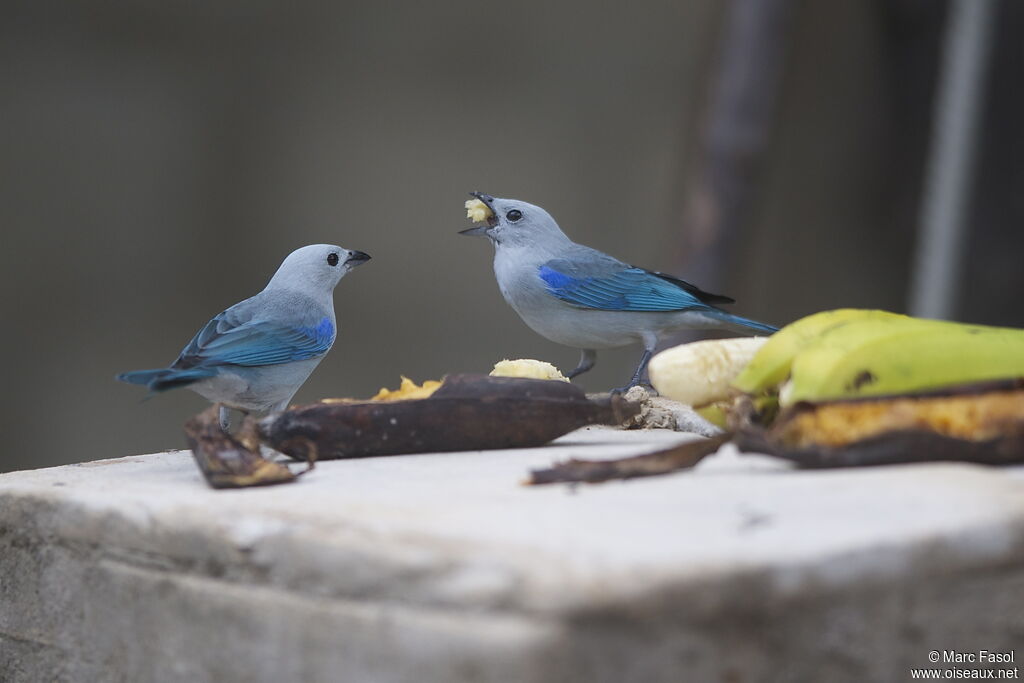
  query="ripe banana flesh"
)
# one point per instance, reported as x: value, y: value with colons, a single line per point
x: 701, y: 372
x: 527, y: 368
x: 987, y: 413
x: 477, y: 211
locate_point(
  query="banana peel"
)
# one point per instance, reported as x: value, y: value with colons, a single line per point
x: 716, y: 413
x: 756, y: 409
x: 866, y: 387
x: 770, y: 367
x: 891, y: 357
x: 229, y: 462
x: 849, y: 353
x: 467, y: 412
x: 980, y: 423
x: 680, y: 457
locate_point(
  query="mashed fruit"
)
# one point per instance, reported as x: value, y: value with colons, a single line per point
x: 477, y: 211
x: 528, y: 369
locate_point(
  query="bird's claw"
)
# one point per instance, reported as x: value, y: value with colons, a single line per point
x: 623, y: 390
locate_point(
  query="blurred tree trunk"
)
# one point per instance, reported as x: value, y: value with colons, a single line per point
x: 736, y: 125
x: 804, y: 191
x: 993, y: 282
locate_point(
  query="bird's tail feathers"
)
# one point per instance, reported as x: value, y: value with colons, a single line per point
x: 143, y: 377
x: 738, y: 324
x: 165, y: 378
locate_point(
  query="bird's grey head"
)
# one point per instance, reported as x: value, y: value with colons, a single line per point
x: 515, y: 223
x: 316, y: 268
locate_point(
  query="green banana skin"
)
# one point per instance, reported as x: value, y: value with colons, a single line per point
x: 771, y: 366
x: 891, y: 357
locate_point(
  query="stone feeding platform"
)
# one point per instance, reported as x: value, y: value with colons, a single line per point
x: 443, y: 567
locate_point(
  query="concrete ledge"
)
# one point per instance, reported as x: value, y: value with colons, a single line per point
x: 442, y: 568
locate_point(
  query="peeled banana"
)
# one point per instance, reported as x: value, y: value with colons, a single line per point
x: 701, y: 372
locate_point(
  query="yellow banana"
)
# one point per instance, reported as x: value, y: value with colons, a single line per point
x: 770, y: 367
x: 899, y: 355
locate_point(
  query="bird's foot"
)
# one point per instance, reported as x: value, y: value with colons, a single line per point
x: 646, y: 385
x: 587, y: 359
x: 225, y: 418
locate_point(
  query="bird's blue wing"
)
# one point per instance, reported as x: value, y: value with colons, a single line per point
x: 617, y: 287
x: 228, y: 339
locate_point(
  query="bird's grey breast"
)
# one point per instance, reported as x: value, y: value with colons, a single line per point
x: 517, y: 273
x: 292, y: 307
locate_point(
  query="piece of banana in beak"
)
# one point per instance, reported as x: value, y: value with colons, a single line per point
x: 477, y: 211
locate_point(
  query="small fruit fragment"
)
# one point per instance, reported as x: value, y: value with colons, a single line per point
x: 477, y: 211
x: 527, y: 368
x: 407, y: 390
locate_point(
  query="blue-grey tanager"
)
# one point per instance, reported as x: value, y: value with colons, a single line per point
x: 581, y: 297
x: 255, y: 355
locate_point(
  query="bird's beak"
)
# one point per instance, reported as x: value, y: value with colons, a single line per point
x: 357, y: 258
x: 481, y: 230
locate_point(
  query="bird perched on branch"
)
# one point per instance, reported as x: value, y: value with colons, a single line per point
x: 581, y: 297
x: 255, y: 355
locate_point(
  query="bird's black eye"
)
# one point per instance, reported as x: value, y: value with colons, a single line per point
x: 514, y: 215
x: 332, y: 259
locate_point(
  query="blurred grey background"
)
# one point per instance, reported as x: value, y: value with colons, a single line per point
x: 159, y: 159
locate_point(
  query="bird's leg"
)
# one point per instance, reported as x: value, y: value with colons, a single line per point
x: 587, y: 359
x: 225, y: 418
x: 650, y: 343
x: 636, y: 375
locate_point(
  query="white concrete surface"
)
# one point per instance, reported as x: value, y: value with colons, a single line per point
x: 443, y: 568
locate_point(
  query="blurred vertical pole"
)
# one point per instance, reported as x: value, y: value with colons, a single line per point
x: 736, y: 125
x: 961, y: 91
